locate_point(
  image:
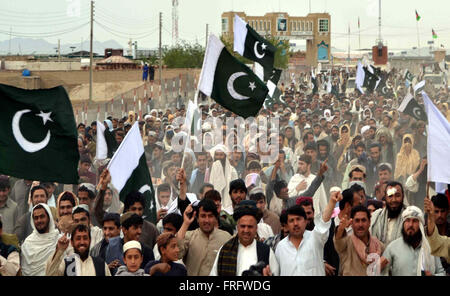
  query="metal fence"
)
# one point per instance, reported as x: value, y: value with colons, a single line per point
x: 168, y: 94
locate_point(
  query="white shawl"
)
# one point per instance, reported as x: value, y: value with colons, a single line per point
x: 220, y: 179
x: 37, y: 247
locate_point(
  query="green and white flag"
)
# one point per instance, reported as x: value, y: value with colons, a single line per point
x: 408, y: 76
x: 38, y: 135
x: 129, y: 171
x: 106, y: 144
x: 229, y: 82
x: 251, y: 45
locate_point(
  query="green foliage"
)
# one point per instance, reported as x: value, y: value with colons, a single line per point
x: 152, y: 60
x: 281, y: 55
x: 184, y: 56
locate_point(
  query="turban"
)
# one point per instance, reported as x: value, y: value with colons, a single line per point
x: 365, y: 129
x: 425, y: 260
x: 415, y: 213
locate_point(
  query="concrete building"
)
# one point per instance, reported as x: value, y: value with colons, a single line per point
x: 315, y: 28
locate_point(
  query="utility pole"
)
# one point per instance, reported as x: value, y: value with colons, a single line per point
x: 206, y: 41
x: 348, y: 55
x: 91, y: 80
x: 59, y: 50
x: 160, y: 54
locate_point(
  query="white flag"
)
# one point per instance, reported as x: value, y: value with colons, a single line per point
x: 101, y: 151
x: 360, y: 76
x: 126, y: 158
x: 259, y: 71
x: 438, y: 147
x: 419, y: 86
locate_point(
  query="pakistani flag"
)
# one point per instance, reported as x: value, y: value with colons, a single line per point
x: 273, y: 82
x: 229, y: 82
x: 106, y: 144
x: 275, y: 75
x: 38, y: 135
x: 410, y: 106
x: 408, y: 76
x: 129, y: 171
x: 251, y: 45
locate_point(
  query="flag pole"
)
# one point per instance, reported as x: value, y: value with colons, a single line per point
x: 359, y: 29
x: 418, y: 37
x: 188, y: 140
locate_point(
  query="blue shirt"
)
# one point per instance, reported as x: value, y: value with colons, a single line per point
x: 176, y: 269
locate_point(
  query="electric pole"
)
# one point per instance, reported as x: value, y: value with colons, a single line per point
x: 59, y: 50
x: 91, y: 80
x: 160, y: 54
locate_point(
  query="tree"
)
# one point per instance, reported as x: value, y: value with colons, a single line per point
x: 184, y: 56
x: 281, y: 55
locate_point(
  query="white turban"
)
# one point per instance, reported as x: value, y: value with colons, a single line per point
x: 425, y: 260
x: 365, y: 129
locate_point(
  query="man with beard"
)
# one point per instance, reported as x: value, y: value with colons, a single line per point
x: 303, y: 179
x: 301, y: 252
x: 80, y: 215
x: 23, y: 226
x: 199, y: 247
x: 79, y: 263
x: 323, y: 148
x: 410, y: 254
x: 333, y: 138
x: 41, y: 243
x: 65, y: 203
x: 359, y: 160
x: 386, y: 223
x: 170, y: 172
x: 239, y: 253
x: 307, y: 205
x: 222, y: 173
x: 355, y: 248
x: 372, y: 165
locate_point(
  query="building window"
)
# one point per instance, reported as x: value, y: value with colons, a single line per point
x: 261, y: 25
x: 323, y: 25
x: 224, y: 25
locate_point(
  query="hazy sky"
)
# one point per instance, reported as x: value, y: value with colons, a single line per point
x: 120, y: 20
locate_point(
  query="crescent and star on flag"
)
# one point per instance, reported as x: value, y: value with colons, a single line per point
x: 21, y: 140
x: 234, y: 76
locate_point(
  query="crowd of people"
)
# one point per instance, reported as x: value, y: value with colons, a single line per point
x: 346, y: 194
